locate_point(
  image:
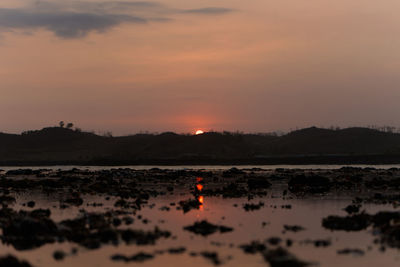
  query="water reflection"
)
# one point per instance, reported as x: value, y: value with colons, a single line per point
x: 199, y: 187
x: 201, y: 199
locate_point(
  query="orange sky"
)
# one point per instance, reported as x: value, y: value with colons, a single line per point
x: 173, y: 65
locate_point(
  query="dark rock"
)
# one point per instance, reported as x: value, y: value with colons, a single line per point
x: 29, y: 230
x: 128, y: 220
x: 322, y: 243
x: 350, y: 209
x: 20, y: 172
x: 179, y: 250
x: 388, y: 224
x: 40, y: 213
x: 282, y: 258
x: 253, y: 247
x: 350, y: 223
x: 6, y: 200
x: 119, y: 257
x: 139, y: 257
x: 59, y: 255
x: 258, y: 183
x: 189, y: 204
x: 212, y: 256
x: 232, y: 172
x: 140, y: 237
x: 384, y: 218
x: 356, y: 251
x: 309, y: 184
x: 75, y: 201
x: 204, y: 228
x: 233, y: 190
x: 318, y: 242
x: 274, y: 240
x: 293, y: 228
x: 252, y: 206
x: 390, y: 235
x: 11, y: 261
x: 116, y: 222
x: 225, y: 229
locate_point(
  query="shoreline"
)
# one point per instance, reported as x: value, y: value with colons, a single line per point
x: 291, y: 160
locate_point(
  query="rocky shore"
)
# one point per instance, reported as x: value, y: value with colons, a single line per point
x: 122, y: 196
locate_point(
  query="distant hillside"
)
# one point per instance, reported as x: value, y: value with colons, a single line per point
x: 58, y: 145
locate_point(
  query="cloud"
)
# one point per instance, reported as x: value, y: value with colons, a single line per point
x: 63, y: 24
x: 209, y: 10
x: 76, y: 19
x: 101, y: 6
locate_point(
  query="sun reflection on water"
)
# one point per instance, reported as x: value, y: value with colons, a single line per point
x: 201, y: 199
x: 199, y: 187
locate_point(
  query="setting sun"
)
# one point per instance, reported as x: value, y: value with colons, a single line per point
x: 199, y: 132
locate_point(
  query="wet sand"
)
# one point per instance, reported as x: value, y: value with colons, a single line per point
x: 155, y: 217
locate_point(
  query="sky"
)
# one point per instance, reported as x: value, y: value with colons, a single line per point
x: 180, y: 65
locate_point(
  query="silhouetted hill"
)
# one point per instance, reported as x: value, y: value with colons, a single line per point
x: 56, y: 145
x: 347, y: 141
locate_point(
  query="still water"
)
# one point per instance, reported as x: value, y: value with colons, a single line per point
x: 248, y: 226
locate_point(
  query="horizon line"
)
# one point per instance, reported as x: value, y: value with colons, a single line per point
x: 385, y: 129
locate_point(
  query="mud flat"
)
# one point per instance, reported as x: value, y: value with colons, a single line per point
x: 235, y: 217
